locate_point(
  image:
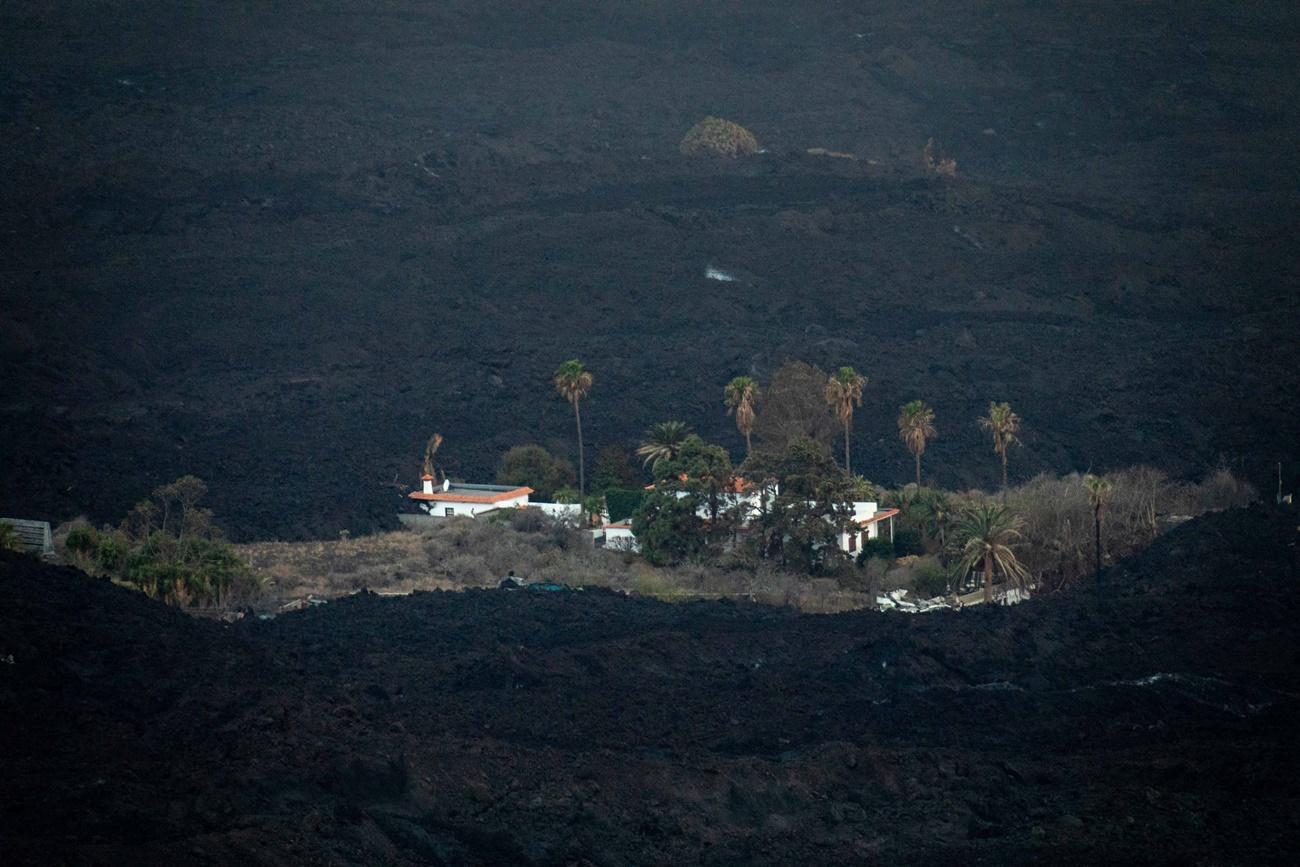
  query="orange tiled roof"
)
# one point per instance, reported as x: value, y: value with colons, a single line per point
x: 452, y: 497
x: 879, y: 516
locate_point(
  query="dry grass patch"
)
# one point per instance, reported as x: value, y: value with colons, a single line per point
x: 390, y: 562
x: 460, y: 553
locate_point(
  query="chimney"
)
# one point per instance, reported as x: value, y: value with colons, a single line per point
x: 428, y: 483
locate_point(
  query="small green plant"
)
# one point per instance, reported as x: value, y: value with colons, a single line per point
x: 82, y: 539
x: 9, y: 540
x: 907, y: 541
x: 876, y: 549
x: 715, y: 137
x: 592, y: 508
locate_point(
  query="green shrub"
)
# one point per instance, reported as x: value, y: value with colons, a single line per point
x: 537, y: 468
x: 668, y: 529
x: 111, y: 552
x: 716, y: 137
x: 82, y: 539
x: 9, y: 540
x: 622, y: 503
x: 182, y: 559
x: 930, y: 580
x: 613, y: 471
x: 907, y: 541
x: 880, y: 549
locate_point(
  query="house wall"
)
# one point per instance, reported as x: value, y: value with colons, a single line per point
x: 438, y: 508
x: 560, y: 511
x: 851, y: 543
x: 752, y: 501
x: 619, y: 539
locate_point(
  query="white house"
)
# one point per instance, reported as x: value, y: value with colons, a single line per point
x: 570, y: 512
x: 743, y: 496
x: 869, y: 520
x: 618, y: 537
x: 751, y: 499
x: 455, y: 499
x: 460, y: 500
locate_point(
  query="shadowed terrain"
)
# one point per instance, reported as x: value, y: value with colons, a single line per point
x: 1147, y: 718
x: 278, y: 246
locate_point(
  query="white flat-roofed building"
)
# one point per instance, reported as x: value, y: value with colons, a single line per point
x: 456, y: 499
x: 618, y: 537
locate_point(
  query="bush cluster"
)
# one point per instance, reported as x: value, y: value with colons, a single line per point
x: 537, y: 468
x: 1057, y: 537
x: 169, y: 548
x: 9, y: 540
x: 716, y: 137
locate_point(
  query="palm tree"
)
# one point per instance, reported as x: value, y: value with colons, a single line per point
x: 843, y: 392
x: 987, y: 533
x: 663, y: 441
x: 934, y: 512
x: 1003, y: 424
x: 740, y: 395
x: 916, y: 427
x: 573, y: 381
x: 1098, y: 493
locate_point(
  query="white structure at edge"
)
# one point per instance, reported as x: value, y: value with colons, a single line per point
x: 458, y: 500
x: 618, y: 537
x: 868, y: 519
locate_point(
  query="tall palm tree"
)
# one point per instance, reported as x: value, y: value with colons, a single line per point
x: 663, y: 441
x: 740, y: 395
x: 843, y: 392
x: 573, y: 381
x: 916, y: 427
x: 1003, y: 424
x: 1098, y: 493
x: 987, y: 534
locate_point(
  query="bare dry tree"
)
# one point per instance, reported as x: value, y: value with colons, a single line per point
x: 429, y: 467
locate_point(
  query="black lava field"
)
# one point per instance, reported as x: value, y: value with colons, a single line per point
x: 1148, y: 717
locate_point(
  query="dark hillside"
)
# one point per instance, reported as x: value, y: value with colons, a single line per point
x: 1150, y: 718
x: 278, y: 245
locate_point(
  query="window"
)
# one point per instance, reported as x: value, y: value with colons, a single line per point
x: 450, y: 511
x: 853, y: 542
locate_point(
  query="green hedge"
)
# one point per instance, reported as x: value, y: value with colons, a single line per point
x: 622, y: 503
